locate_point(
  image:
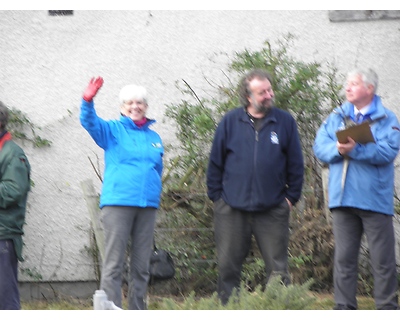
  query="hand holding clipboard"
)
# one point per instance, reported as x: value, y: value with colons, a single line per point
x: 360, y: 133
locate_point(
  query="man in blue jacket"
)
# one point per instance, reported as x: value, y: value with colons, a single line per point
x: 254, y: 177
x: 361, y: 191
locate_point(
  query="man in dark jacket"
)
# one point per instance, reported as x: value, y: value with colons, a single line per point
x: 254, y: 177
x: 14, y: 188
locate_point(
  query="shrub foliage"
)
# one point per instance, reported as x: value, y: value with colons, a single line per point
x: 308, y: 91
x: 275, y: 296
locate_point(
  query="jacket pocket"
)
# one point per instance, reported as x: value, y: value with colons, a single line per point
x: 221, y: 207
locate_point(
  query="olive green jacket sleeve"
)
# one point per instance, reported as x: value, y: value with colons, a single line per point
x: 14, y: 188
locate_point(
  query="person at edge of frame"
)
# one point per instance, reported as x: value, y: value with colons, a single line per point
x: 15, y: 184
x: 361, y: 191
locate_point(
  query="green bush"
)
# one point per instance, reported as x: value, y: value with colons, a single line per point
x: 22, y: 128
x: 275, y: 296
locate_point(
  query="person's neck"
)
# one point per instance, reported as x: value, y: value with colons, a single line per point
x: 140, y: 122
x: 363, y: 104
x: 361, y: 108
x: 256, y: 114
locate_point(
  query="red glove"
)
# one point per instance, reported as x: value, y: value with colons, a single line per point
x: 91, y: 90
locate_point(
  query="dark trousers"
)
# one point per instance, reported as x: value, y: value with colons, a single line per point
x: 122, y: 224
x: 233, y: 235
x: 349, y: 224
x: 9, y: 292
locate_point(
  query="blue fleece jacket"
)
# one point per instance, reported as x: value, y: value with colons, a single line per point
x: 133, y: 159
x: 255, y: 170
x: 369, y: 183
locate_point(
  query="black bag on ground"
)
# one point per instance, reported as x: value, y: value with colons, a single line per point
x: 162, y: 266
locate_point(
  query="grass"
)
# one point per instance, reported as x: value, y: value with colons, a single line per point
x: 322, y: 302
x: 326, y: 302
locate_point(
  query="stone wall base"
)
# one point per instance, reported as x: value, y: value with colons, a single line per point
x: 57, y: 290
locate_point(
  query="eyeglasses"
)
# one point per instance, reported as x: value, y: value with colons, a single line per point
x: 137, y: 102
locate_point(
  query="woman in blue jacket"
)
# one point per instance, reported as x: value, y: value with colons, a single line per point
x: 361, y: 191
x: 131, y: 189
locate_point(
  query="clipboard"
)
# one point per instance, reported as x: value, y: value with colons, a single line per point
x: 360, y: 133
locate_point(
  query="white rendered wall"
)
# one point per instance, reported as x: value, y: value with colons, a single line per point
x: 46, y: 62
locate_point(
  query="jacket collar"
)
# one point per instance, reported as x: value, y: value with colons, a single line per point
x: 4, y: 137
x: 270, y: 117
x: 375, y: 112
x: 129, y: 123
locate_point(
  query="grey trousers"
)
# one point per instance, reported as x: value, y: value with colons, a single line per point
x: 349, y: 224
x: 122, y: 224
x: 233, y: 233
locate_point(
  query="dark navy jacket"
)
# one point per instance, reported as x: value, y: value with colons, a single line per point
x: 254, y: 171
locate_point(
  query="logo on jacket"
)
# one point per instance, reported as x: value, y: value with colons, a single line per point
x: 274, y: 138
x: 156, y: 145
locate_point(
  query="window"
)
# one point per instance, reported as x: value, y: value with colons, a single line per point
x: 362, y: 15
x: 61, y: 12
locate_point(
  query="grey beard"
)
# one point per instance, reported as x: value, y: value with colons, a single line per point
x: 261, y: 108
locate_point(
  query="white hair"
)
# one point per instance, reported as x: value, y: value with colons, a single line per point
x: 132, y: 92
x: 368, y: 76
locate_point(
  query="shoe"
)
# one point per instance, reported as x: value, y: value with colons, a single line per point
x: 389, y: 307
x: 343, y: 307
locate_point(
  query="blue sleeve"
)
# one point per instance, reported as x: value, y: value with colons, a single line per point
x: 295, y: 168
x: 216, y: 165
x: 325, y: 148
x: 98, y: 128
x: 160, y: 165
x: 387, y: 143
